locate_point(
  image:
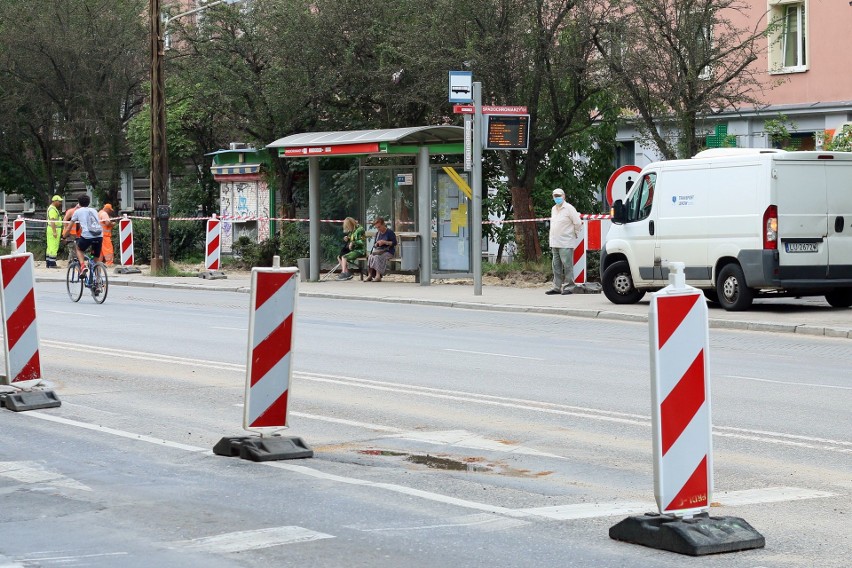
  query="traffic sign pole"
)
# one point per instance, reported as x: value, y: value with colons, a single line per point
x: 476, y: 230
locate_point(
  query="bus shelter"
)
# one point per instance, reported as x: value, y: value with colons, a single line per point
x: 425, y: 202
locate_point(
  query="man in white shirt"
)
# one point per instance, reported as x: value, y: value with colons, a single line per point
x: 91, y: 230
x: 565, y: 227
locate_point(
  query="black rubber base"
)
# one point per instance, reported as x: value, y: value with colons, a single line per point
x: 29, y: 400
x: 212, y: 275
x: 258, y: 449
x: 127, y: 270
x: 697, y: 536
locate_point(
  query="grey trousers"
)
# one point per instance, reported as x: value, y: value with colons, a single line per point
x: 563, y: 268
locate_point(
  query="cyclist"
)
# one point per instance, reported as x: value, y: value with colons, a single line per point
x: 90, y: 229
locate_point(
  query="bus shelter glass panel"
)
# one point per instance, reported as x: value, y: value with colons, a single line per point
x: 453, y: 217
x: 391, y: 193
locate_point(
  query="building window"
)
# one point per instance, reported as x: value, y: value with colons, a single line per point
x: 793, y: 34
x: 788, y: 50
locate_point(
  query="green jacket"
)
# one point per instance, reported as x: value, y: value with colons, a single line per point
x: 358, y: 241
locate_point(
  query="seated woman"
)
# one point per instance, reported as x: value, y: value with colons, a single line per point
x: 383, y: 250
x: 355, y: 246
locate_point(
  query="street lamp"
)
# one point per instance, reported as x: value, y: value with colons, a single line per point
x: 159, y: 150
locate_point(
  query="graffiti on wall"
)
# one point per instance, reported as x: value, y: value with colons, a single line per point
x: 244, y: 208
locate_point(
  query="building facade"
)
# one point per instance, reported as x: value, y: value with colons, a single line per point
x: 805, y: 72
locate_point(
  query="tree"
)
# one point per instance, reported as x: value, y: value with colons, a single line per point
x: 71, y: 73
x: 679, y: 61
x: 539, y: 54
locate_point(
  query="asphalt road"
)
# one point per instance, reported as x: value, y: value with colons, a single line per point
x: 442, y: 437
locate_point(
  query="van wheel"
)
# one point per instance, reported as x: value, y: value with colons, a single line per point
x: 840, y: 297
x: 731, y: 288
x: 710, y: 294
x: 618, y: 284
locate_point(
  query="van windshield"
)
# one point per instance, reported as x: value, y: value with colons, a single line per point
x: 639, y: 203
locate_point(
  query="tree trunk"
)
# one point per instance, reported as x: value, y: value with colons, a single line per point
x: 526, y: 234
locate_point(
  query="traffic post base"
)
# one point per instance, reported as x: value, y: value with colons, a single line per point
x: 588, y: 288
x: 263, y: 448
x: 696, y: 536
x: 212, y: 275
x: 126, y: 270
x: 29, y: 400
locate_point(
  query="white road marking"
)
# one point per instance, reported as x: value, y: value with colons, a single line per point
x: 477, y: 398
x: 766, y: 495
x: 720, y: 498
x: 75, y: 314
x: 345, y: 422
x: 70, y: 559
x: 464, y: 439
x: 114, y: 432
x: 232, y: 328
x: 557, y: 512
x: 787, y: 383
x: 483, y: 521
x: 32, y: 473
x: 493, y: 354
x: 252, y: 540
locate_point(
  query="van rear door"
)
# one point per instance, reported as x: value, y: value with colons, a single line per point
x: 802, y: 219
x: 838, y: 176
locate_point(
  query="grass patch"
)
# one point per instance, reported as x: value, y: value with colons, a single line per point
x: 173, y: 270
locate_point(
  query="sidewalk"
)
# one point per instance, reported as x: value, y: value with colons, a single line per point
x: 811, y: 316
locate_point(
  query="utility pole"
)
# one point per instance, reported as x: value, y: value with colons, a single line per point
x: 159, y: 151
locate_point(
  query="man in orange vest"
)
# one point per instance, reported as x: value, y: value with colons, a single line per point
x: 107, y: 252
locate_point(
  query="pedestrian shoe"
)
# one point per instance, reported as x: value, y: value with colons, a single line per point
x: 553, y: 292
x: 368, y: 279
x: 567, y: 291
x: 343, y: 276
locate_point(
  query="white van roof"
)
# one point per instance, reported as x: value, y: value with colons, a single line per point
x: 719, y: 152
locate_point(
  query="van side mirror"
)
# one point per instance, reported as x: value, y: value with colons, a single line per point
x: 619, y: 213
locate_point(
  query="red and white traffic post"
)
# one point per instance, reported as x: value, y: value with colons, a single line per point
x: 680, y: 395
x: 125, y: 246
x: 213, y: 250
x: 682, y: 433
x: 20, y: 336
x: 213, y: 244
x: 579, y: 260
x: 19, y: 235
x: 269, y: 369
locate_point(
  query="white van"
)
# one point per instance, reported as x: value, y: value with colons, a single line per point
x: 746, y: 222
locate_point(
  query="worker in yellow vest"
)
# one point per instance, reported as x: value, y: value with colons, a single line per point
x: 107, y: 252
x: 54, y: 231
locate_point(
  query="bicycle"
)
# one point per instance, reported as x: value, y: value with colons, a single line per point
x: 95, y: 279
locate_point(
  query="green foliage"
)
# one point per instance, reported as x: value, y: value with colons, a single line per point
x: 71, y: 77
x: 294, y: 244
x: 289, y: 245
x: 842, y: 141
x: 248, y: 253
x: 779, y: 132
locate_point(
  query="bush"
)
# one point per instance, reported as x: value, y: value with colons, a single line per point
x: 293, y: 245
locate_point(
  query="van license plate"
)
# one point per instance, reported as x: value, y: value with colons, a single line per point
x: 801, y: 247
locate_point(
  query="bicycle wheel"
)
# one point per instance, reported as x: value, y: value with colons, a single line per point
x: 99, y: 282
x: 73, y: 282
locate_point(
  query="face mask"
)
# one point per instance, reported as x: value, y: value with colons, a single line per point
x: 558, y: 200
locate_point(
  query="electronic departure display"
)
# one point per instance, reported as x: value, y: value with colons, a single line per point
x: 508, y: 132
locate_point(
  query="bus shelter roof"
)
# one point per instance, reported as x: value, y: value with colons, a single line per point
x: 439, y: 139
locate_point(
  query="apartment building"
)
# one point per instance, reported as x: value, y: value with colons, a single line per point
x: 805, y: 63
